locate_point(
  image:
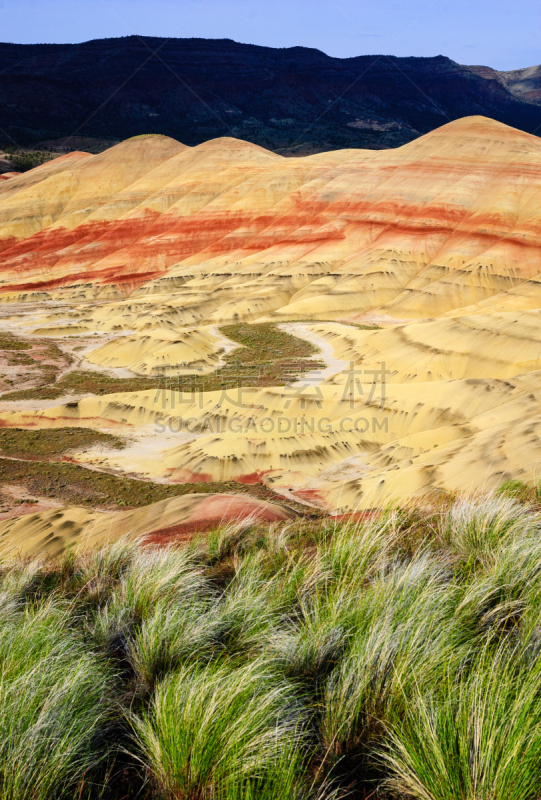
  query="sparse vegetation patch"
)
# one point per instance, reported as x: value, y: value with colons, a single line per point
x: 72, y: 484
x: 268, y: 357
x: 18, y: 442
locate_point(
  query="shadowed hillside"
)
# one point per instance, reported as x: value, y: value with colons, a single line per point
x: 198, y: 89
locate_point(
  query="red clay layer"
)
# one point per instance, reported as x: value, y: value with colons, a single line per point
x: 143, y: 243
x: 178, y: 534
x: 211, y: 511
x: 253, y: 477
x: 184, y: 532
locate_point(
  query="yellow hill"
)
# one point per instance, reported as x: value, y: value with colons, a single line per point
x: 438, y: 242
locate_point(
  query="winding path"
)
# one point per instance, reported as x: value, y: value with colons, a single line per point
x: 334, y: 364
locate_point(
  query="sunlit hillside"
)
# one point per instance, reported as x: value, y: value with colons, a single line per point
x: 341, y: 330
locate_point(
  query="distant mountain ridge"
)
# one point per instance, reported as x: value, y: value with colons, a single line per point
x: 523, y: 83
x: 291, y: 100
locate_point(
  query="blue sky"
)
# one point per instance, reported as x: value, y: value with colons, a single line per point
x: 499, y: 33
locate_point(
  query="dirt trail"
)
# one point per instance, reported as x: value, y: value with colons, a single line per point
x: 334, y: 365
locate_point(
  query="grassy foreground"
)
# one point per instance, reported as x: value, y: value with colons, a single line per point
x: 396, y: 657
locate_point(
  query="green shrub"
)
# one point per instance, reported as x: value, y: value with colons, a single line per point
x: 405, y: 631
x: 212, y: 727
x: 475, y: 736
x: 53, y: 705
x: 23, y: 161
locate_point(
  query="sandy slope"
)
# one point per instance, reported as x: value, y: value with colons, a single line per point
x: 50, y: 532
x: 438, y: 241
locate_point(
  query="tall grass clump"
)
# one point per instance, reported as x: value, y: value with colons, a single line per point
x: 397, y: 657
x: 146, y: 579
x: 476, y: 528
x: 207, y: 726
x: 171, y: 634
x: 405, y: 630
x: 506, y: 597
x: 54, y: 705
x: 353, y: 552
x: 315, y: 633
x: 475, y: 736
x: 285, y: 776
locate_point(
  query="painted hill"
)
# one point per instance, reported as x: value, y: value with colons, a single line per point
x: 199, y: 89
x: 230, y: 231
x: 142, y: 252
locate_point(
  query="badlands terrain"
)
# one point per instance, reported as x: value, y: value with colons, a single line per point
x: 219, y: 324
